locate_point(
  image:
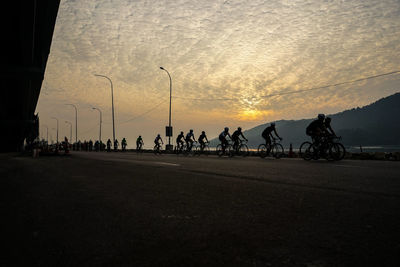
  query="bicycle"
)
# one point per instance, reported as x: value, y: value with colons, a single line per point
x: 139, y: 148
x: 190, y: 150
x: 274, y: 149
x: 228, y: 151
x: 241, y: 149
x: 327, y: 148
x: 337, y: 149
x: 157, y: 149
x: 123, y: 147
x: 205, y: 150
x: 179, y: 149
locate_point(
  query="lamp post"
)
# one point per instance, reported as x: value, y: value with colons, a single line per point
x: 57, y: 127
x: 76, y: 123
x: 169, y: 131
x: 112, y: 102
x: 70, y: 129
x: 100, y: 122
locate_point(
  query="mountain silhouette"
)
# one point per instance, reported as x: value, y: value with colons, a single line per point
x: 375, y: 124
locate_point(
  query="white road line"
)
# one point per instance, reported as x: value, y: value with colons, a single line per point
x: 167, y: 163
x: 144, y: 162
x: 349, y: 166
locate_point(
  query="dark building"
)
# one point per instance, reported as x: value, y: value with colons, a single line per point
x: 27, y: 30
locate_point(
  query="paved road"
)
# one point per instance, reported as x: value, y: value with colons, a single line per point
x: 124, y: 209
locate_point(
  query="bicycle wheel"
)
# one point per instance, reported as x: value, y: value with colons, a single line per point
x: 262, y: 150
x: 230, y: 151
x: 195, y: 151
x: 309, y: 152
x: 206, y: 150
x: 277, y: 151
x: 331, y: 152
x: 342, y: 150
x: 336, y: 151
x: 243, y: 150
x: 303, y: 147
x: 219, y: 150
x: 185, y: 150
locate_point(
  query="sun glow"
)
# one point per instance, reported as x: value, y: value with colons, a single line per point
x: 254, y: 115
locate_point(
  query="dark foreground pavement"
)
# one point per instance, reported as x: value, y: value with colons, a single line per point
x: 115, y: 209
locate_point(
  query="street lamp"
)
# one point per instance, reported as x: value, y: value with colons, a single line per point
x: 169, y: 131
x: 100, y: 122
x: 76, y: 122
x: 70, y: 130
x: 57, y: 127
x: 112, y: 102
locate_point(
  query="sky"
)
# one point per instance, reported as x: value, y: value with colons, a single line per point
x: 232, y: 63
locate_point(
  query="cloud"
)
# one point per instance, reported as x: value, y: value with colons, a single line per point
x: 241, y: 50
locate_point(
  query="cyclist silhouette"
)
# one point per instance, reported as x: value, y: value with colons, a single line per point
x: 267, y: 135
x: 201, y: 140
x: 139, y: 143
x: 180, y: 140
x: 189, y: 139
x: 123, y: 144
x: 108, y: 145
x: 235, y: 137
x: 157, y: 140
x: 222, y: 138
x: 116, y: 144
x: 316, y: 129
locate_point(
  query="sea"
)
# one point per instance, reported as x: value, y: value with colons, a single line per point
x: 352, y: 149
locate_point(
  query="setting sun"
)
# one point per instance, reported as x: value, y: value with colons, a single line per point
x: 254, y: 115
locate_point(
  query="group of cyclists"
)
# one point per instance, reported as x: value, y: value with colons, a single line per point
x: 189, y: 138
x: 116, y: 144
x: 181, y: 140
x: 317, y: 129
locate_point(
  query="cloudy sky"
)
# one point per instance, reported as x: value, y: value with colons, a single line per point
x: 232, y: 62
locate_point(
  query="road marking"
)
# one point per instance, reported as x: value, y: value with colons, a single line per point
x: 349, y: 166
x: 167, y: 163
x: 142, y: 162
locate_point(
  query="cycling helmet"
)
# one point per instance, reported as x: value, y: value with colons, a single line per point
x: 321, y: 116
x: 191, y: 130
x: 239, y: 128
x: 158, y: 135
x: 328, y: 119
x: 140, y: 136
x: 272, y: 124
x: 226, y: 129
x: 203, y: 132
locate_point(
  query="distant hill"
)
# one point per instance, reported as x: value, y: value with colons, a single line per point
x: 374, y: 124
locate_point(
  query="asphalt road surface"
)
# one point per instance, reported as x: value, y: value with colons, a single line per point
x: 125, y: 209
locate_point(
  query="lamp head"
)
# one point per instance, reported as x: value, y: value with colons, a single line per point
x: 161, y: 68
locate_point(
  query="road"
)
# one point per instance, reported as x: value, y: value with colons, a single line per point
x: 125, y: 209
